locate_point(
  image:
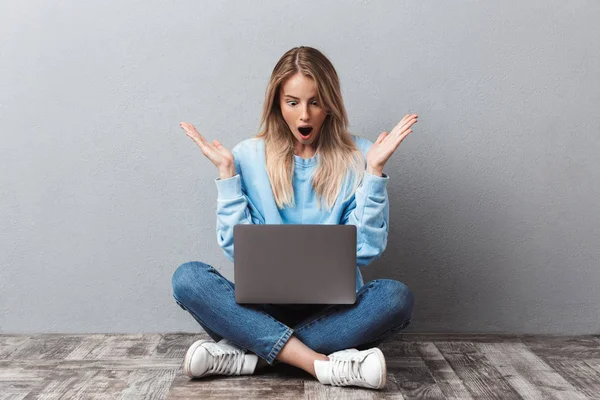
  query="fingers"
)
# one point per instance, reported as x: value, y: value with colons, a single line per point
x: 405, y: 134
x: 399, y: 138
x: 191, y: 131
x: 381, y: 137
x: 405, y: 123
x: 401, y: 130
x: 409, y: 116
x: 412, y: 119
x: 210, y: 150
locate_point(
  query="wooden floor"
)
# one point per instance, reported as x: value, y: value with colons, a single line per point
x: 419, y: 366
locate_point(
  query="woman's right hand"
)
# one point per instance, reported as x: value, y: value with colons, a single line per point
x: 215, y: 151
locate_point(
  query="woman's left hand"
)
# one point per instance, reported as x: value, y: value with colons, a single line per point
x: 386, y: 144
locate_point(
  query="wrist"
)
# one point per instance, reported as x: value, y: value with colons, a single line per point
x: 226, y: 173
x: 378, y: 171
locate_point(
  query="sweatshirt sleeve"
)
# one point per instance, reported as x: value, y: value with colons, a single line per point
x: 233, y: 207
x: 369, y: 211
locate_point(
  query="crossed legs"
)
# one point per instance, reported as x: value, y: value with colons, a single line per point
x: 383, y: 306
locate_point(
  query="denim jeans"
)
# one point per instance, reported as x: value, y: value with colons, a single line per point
x: 382, y: 307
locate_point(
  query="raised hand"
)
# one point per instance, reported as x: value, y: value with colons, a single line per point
x: 386, y: 144
x: 215, y: 151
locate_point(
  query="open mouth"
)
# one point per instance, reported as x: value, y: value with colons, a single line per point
x: 305, y: 132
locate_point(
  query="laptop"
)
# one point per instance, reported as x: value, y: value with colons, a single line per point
x: 294, y: 263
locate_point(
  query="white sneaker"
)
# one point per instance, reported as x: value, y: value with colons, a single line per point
x: 348, y: 367
x: 205, y: 357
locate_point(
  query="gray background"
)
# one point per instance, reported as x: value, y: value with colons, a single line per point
x: 494, y: 198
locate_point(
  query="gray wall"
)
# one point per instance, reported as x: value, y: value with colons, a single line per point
x: 495, y: 209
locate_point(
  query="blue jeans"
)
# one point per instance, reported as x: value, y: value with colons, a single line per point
x: 382, y: 307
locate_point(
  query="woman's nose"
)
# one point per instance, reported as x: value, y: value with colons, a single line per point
x: 305, y: 113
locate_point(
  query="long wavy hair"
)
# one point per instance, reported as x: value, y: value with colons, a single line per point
x: 339, y: 158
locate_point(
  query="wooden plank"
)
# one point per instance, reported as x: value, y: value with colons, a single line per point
x: 315, y: 390
x: 129, y: 346
x: 148, y: 384
x: 478, y: 375
x: 122, y: 364
x: 407, y: 371
x: 48, y: 347
x: 26, y: 369
x: 565, y: 347
x: 18, y: 379
x: 450, y: 384
x: 82, y: 384
x: 528, y: 375
x: 580, y: 373
x: 10, y: 343
x: 236, y: 387
x: 85, y: 346
x: 594, y: 363
x: 457, y: 337
x: 175, y: 345
x: 455, y: 366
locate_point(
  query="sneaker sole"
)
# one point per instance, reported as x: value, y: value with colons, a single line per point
x: 384, y: 372
x: 187, y: 368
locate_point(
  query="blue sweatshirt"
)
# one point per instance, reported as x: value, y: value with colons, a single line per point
x: 247, y: 198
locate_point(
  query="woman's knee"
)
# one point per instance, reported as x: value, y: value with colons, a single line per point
x: 399, y: 297
x: 186, y: 274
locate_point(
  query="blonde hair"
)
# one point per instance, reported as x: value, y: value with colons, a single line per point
x: 338, y: 154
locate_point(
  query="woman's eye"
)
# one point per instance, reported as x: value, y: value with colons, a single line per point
x: 295, y: 102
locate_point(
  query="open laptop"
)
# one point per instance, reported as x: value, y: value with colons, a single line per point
x: 295, y: 263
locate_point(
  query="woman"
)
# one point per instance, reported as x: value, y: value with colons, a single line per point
x: 304, y: 167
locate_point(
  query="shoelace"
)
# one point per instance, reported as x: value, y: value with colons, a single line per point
x: 346, y: 371
x: 226, y: 361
